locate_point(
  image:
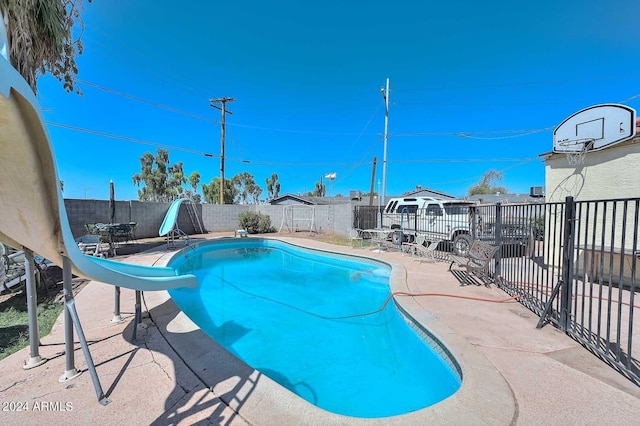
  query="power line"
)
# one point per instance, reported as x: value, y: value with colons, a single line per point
x: 129, y: 139
x: 144, y: 101
x: 308, y: 132
x: 464, y: 134
x: 448, y: 104
x: 283, y: 163
x: 356, y: 165
x: 200, y: 117
x: 521, y: 83
x: 472, y: 134
x: 465, y: 160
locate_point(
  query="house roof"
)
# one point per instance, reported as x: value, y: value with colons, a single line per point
x: 428, y: 192
x: 504, y: 198
x: 307, y: 200
x: 363, y: 200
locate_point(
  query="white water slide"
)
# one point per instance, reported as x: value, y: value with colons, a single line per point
x: 33, y: 217
x: 32, y: 209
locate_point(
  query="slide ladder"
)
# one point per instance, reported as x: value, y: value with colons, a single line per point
x: 195, y: 219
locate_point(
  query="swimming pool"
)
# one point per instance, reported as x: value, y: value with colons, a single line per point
x: 308, y: 320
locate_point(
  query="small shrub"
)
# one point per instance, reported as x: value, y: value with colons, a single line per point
x: 255, y: 223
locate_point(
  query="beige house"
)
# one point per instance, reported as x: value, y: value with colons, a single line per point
x: 606, y: 232
x: 613, y: 172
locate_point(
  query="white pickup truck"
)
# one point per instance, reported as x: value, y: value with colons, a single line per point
x: 454, y: 221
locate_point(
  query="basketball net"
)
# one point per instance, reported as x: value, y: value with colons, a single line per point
x: 579, y: 152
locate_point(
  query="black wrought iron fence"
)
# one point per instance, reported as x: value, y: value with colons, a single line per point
x: 578, y: 272
x: 573, y: 263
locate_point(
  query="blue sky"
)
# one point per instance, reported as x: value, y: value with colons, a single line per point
x: 474, y: 86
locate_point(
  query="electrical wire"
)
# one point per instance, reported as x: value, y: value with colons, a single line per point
x: 344, y: 175
x: 461, y: 134
x: 282, y: 163
x: 522, y: 83
x: 157, y: 105
x: 128, y: 139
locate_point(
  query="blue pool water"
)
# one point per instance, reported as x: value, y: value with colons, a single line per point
x: 299, y: 317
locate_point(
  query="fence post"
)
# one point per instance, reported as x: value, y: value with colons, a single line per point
x: 474, y: 220
x: 567, y: 262
x: 498, y: 238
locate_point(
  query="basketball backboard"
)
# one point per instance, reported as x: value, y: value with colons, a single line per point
x: 596, y: 127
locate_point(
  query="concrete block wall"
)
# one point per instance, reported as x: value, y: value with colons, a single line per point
x: 222, y: 217
x: 215, y: 218
x: 148, y: 216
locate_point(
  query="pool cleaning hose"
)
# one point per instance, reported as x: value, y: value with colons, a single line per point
x: 384, y: 305
x: 404, y: 293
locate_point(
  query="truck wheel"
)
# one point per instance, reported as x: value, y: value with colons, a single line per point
x: 461, y: 244
x: 396, y: 238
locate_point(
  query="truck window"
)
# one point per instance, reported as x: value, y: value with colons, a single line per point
x: 391, y: 206
x: 456, y: 209
x: 410, y: 208
x: 433, y: 210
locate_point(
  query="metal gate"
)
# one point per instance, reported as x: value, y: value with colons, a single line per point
x: 578, y: 271
x: 366, y: 217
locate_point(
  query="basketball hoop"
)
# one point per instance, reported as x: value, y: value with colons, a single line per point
x: 576, y: 150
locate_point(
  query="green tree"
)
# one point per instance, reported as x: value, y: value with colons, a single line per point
x: 162, y: 182
x: 247, y: 191
x: 176, y: 180
x: 194, y: 180
x: 40, y: 36
x: 319, y: 191
x: 273, y: 187
x: 211, y: 191
x: 488, y: 184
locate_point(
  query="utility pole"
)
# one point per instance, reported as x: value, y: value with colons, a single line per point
x: 385, y: 95
x: 373, y: 180
x: 223, y: 109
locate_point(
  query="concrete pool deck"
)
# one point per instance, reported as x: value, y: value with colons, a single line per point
x: 174, y: 374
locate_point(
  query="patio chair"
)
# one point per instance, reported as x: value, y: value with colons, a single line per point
x: 476, y: 261
x: 355, y: 235
x: 427, y: 253
x: 92, y: 246
x: 91, y: 228
x: 420, y: 251
x: 410, y: 247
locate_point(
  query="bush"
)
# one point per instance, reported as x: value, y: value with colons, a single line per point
x: 255, y: 223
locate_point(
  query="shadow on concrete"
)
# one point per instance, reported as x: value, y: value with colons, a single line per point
x: 228, y: 381
x: 465, y: 278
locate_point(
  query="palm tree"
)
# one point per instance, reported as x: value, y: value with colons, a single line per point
x: 41, y: 40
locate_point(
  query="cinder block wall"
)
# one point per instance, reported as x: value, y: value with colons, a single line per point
x: 215, y: 217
